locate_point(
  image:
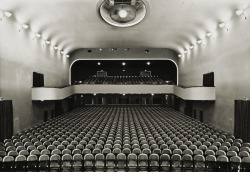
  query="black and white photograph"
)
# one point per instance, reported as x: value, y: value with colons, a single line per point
x: 124, y: 86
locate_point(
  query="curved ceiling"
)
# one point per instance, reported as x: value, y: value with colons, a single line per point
x: 168, y: 24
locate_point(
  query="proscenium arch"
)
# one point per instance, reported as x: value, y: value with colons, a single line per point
x: 177, y: 69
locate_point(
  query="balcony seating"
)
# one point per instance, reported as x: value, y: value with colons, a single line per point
x: 152, y: 80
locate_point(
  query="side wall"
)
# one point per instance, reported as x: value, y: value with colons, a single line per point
x: 20, y: 56
x: 228, y: 56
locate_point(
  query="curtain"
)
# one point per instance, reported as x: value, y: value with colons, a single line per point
x: 242, y: 120
x: 6, y: 119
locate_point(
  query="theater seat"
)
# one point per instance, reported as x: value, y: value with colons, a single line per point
x: 43, y: 163
x: 20, y: 163
x: 88, y: 162
x: 121, y: 162
x: 143, y: 162
x: 66, y: 162
x: 77, y: 162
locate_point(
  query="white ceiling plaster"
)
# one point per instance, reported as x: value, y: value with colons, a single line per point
x: 74, y: 24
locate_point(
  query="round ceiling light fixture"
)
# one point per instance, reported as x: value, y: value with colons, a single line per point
x: 122, y: 14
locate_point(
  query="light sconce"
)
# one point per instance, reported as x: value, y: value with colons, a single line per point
x: 241, y: 12
x: 199, y: 41
x: 23, y: 26
x: 46, y: 42
x: 223, y: 25
x: 6, y: 14
x: 209, y: 34
x: 36, y: 35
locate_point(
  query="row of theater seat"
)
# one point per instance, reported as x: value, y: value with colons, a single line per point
x: 122, y: 80
x: 124, y: 137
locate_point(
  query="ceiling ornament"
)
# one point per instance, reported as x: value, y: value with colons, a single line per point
x: 123, y: 14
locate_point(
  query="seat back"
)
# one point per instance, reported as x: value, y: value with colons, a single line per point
x: 89, y: 161
x: 99, y: 161
x: 154, y: 162
x: 176, y: 162
x: 222, y: 163
x: 43, y: 162
x: 55, y: 162
x: 235, y: 163
x: 143, y: 161
x: 199, y: 163
x: 110, y: 161
x: 20, y: 163
x: 121, y: 161
x: 132, y: 161
x: 246, y: 163
x: 77, y: 162
x: 67, y: 162
x: 32, y: 162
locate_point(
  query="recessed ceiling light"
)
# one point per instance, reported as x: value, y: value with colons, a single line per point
x: 94, y: 94
x: 123, y: 70
x: 152, y: 94
x: 148, y: 63
x: 100, y: 49
x: 185, y: 52
x: 62, y: 52
x: 123, y: 94
x: 179, y: 55
x: 55, y: 47
x: 98, y: 63
x: 191, y: 47
x: 123, y: 63
x: 123, y: 13
x: 67, y: 55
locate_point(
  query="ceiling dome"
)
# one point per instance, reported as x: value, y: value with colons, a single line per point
x: 122, y: 14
